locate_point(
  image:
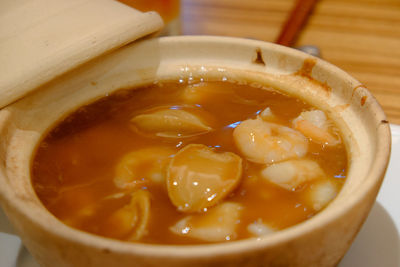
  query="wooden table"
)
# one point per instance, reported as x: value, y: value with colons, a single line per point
x: 360, y: 36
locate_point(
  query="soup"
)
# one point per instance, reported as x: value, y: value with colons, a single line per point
x: 190, y: 163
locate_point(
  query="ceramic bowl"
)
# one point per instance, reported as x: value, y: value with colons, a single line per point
x: 319, y: 241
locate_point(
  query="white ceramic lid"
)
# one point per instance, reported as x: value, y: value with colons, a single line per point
x: 42, y: 39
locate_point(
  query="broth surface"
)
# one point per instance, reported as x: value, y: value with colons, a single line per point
x: 74, y: 169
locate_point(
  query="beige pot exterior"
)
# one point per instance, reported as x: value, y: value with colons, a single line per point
x: 320, y: 241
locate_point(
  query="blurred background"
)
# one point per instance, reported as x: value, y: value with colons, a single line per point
x: 360, y: 36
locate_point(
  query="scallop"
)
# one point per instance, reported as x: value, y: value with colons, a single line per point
x: 130, y: 222
x: 198, y: 177
x: 292, y: 173
x: 218, y: 224
x: 142, y: 166
x: 170, y: 123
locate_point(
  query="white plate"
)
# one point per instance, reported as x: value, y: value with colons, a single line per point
x: 377, y: 244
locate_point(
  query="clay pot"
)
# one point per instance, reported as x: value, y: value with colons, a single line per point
x: 319, y: 241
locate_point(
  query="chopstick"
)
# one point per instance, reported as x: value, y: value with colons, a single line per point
x: 295, y: 22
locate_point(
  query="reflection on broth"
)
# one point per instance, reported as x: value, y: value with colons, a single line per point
x: 178, y: 163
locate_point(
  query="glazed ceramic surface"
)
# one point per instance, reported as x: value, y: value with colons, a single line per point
x: 320, y: 241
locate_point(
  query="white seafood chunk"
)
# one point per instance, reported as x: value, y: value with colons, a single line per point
x: 267, y: 115
x: 265, y: 142
x: 258, y: 228
x: 320, y: 193
x: 292, y: 173
x: 198, y: 177
x: 218, y: 224
x: 130, y: 222
x: 170, y: 123
x: 315, y: 125
x: 141, y: 166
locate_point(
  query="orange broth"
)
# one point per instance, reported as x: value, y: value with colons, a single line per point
x: 74, y: 166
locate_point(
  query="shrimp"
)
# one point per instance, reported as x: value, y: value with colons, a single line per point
x: 198, y: 177
x: 137, y: 167
x: 131, y: 220
x: 218, y: 224
x: 292, y: 173
x: 266, y: 142
x: 315, y: 125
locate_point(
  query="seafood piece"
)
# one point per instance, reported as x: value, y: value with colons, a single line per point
x: 201, y: 92
x: 258, y: 228
x: 267, y: 115
x: 138, y: 167
x: 170, y: 123
x: 130, y: 222
x: 198, y: 177
x: 81, y: 214
x: 320, y: 193
x: 218, y: 224
x: 204, y: 92
x: 84, y: 201
x: 266, y: 142
x: 292, y: 173
x: 315, y: 125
